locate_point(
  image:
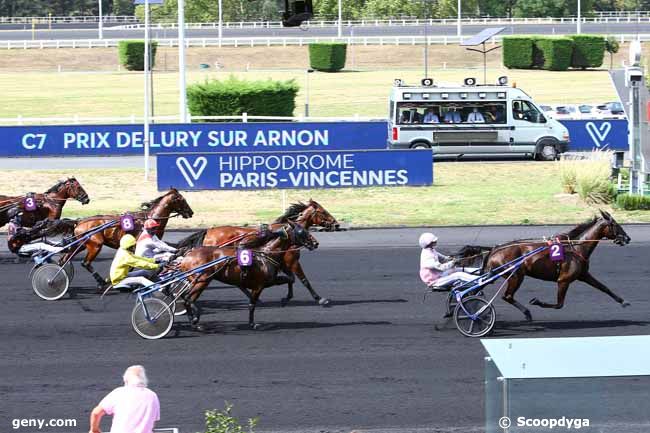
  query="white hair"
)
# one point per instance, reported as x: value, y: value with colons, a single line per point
x: 135, y: 375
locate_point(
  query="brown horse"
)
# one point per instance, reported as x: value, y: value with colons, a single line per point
x: 264, y: 272
x: 49, y: 205
x: 579, y: 244
x: 307, y: 215
x: 160, y: 209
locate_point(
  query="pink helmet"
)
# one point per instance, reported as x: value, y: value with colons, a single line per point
x: 151, y: 223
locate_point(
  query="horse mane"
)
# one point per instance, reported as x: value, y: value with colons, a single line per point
x: 579, y: 229
x: 292, y: 212
x: 191, y: 241
x: 148, y: 205
x: 55, y: 188
x: 261, y: 238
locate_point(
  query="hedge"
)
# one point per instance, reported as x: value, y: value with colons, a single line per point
x: 131, y: 54
x: 633, y: 202
x: 517, y: 52
x: 556, y: 51
x: 327, y: 56
x: 233, y: 96
x: 588, y: 51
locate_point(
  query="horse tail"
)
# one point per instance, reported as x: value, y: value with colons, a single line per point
x: 486, y: 258
x: 193, y: 240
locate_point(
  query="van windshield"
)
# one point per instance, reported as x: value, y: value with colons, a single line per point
x: 492, y: 112
x: 524, y: 110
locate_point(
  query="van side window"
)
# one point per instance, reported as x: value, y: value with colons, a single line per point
x: 524, y: 110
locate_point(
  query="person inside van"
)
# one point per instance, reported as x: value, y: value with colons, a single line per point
x: 430, y: 116
x: 406, y: 117
x: 415, y: 116
x: 452, y: 116
x: 517, y: 111
x: 475, y: 116
x: 495, y: 114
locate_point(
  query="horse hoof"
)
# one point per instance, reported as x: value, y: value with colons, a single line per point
x: 323, y: 302
x: 255, y: 326
x: 625, y: 304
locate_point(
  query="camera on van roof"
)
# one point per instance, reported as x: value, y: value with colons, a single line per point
x: 470, y: 81
x: 502, y: 80
x: 397, y: 82
x: 427, y: 82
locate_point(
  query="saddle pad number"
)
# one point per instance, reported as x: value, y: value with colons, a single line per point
x: 245, y: 257
x: 30, y: 204
x: 126, y: 223
x: 556, y: 251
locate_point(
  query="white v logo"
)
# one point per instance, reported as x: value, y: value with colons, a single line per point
x: 191, y: 172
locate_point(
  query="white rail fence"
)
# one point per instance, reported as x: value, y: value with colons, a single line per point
x: 263, y: 41
x: 396, y: 22
x: 133, y: 119
x: 69, y: 20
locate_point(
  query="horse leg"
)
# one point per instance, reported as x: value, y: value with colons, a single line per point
x: 593, y: 282
x: 562, y: 287
x: 291, y: 278
x: 92, y: 251
x: 509, y: 296
x: 193, y: 310
x: 255, y: 295
x: 297, y: 269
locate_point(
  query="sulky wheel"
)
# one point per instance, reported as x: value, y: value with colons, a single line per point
x: 167, y: 299
x: 151, y: 318
x: 50, y: 281
x: 474, y: 317
x: 69, y: 270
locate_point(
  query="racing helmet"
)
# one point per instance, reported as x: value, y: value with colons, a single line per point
x: 426, y: 239
x: 151, y: 223
x: 13, y: 213
x: 127, y: 241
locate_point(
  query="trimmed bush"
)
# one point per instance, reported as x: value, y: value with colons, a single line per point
x: 633, y: 202
x: 588, y: 51
x: 131, y: 54
x: 327, y: 56
x: 232, y: 97
x: 517, y: 52
x: 557, y: 52
x: 538, y: 56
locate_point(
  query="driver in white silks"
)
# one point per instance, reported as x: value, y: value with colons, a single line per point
x: 18, y: 237
x: 436, y: 269
x: 150, y: 246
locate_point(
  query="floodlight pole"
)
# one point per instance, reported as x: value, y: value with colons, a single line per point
x: 459, y: 32
x: 146, y: 90
x: 340, y: 24
x: 101, y: 24
x: 220, y: 26
x: 578, y: 30
x: 182, y: 93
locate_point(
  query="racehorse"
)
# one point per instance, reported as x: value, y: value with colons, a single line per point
x: 264, y: 272
x: 579, y: 243
x: 49, y: 205
x: 307, y: 215
x: 160, y: 209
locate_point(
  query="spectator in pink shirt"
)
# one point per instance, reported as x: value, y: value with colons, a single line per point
x: 134, y: 407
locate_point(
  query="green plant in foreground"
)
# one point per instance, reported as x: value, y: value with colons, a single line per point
x: 217, y: 421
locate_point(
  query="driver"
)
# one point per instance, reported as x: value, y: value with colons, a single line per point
x: 125, y: 259
x: 18, y: 237
x: 150, y: 246
x: 436, y: 268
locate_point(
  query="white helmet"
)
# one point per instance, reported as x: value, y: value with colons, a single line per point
x: 426, y: 239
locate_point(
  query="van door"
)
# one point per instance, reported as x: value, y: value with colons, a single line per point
x: 529, y: 124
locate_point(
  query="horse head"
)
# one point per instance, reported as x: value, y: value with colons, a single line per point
x: 300, y: 237
x: 613, y: 230
x: 75, y: 190
x: 317, y: 215
x: 172, y: 201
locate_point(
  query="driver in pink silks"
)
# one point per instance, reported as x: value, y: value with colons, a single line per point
x: 433, y: 271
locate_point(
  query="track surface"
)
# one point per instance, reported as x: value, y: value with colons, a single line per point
x: 64, y: 32
x: 371, y: 361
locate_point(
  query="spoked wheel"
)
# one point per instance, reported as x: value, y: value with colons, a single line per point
x: 480, y: 320
x: 50, y: 281
x: 177, y: 291
x: 69, y: 269
x: 152, y: 319
x: 167, y: 299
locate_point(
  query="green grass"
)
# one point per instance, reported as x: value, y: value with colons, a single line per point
x: 331, y: 94
x: 464, y: 193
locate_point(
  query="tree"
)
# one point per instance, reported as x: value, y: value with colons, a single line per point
x: 329, y: 9
x: 611, y: 46
x: 449, y: 8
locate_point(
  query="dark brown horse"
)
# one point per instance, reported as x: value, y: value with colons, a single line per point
x: 579, y: 244
x: 264, y: 272
x: 307, y: 215
x: 160, y: 209
x: 49, y: 205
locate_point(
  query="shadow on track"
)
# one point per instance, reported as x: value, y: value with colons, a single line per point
x: 217, y: 327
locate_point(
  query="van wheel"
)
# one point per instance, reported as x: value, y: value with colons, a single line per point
x: 548, y: 152
x: 420, y: 146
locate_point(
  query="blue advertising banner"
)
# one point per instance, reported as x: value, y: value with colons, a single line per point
x: 107, y: 140
x: 300, y: 170
x: 597, y: 134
